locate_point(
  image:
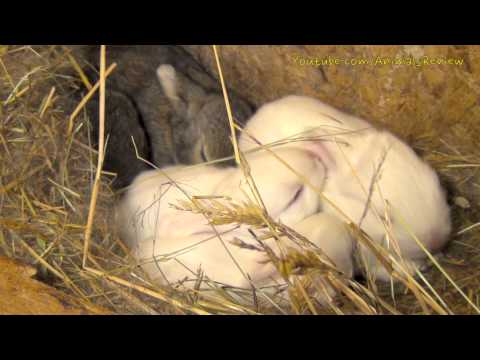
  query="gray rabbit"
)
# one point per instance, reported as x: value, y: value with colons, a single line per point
x: 170, y: 105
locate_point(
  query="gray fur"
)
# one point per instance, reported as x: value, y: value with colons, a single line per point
x: 186, y: 129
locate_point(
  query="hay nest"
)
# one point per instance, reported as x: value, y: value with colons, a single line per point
x: 47, y: 175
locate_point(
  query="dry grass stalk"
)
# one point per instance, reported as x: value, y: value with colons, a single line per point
x: 227, y: 104
x: 78, y: 69
x: 101, y: 149
x: 142, y: 289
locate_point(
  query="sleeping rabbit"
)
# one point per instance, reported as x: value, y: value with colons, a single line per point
x: 373, y: 179
x: 173, y: 244
x: 171, y: 99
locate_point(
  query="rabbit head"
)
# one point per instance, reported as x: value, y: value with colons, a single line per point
x: 406, y: 194
x: 284, y: 193
x: 207, y: 134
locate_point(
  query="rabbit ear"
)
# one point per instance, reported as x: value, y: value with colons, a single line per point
x: 318, y: 149
x: 167, y: 76
x: 200, y: 76
x: 184, y: 94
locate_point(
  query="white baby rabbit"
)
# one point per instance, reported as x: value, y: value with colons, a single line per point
x: 155, y: 229
x: 406, y: 196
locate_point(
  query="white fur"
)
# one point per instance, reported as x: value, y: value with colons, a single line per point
x: 331, y: 235
x: 408, y: 191
x: 152, y: 227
